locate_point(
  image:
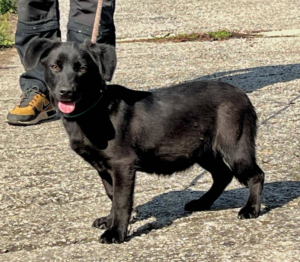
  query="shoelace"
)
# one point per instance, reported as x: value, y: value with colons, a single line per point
x: 29, y: 97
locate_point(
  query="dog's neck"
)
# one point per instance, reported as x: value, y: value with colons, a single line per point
x: 93, y: 124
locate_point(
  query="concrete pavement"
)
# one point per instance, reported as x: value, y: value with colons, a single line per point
x: 50, y: 197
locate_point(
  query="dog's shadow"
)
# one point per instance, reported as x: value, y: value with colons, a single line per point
x: 168, y: 207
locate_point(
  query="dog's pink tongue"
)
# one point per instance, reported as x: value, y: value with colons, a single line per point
x: 66, y: 107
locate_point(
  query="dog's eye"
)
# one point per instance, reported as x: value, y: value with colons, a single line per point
x: 54, y: 67
x: 82, y: 69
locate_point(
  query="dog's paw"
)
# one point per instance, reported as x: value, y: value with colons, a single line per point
x: 196, y: 205
x: 103, y: 222
x: 112, y: 236
x: 248, y: 212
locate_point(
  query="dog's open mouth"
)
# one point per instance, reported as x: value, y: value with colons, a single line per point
x: 66, y: 107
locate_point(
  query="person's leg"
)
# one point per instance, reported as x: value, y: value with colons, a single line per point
x: 81, y: 21
x: 36, y: 18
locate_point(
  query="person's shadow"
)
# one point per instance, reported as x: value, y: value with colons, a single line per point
x: 168, y: 207
x: 251, y: 79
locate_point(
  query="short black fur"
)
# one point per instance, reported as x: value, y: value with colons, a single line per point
x: 167, y: 130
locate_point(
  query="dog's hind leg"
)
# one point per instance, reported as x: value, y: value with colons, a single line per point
x: 105, y: 222
x: 241, y: 158
x: 222, y: 176
x: 235, y: 141
x: 254, y: 180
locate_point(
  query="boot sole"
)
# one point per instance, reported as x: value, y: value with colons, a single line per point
x: 43, y: 116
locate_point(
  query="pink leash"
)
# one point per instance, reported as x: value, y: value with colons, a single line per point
x: 97, y: 22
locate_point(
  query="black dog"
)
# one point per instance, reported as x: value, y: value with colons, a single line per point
x: 120, y: 131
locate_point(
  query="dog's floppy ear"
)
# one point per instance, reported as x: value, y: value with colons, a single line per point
x: 105, y: 57
x: 37, y: 50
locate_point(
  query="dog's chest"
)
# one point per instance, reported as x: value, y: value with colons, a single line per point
x: 88, y: 146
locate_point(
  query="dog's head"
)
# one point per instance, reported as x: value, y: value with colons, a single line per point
x: 74, y: 73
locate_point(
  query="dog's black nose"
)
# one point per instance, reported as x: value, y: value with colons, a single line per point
x: 65, y: 92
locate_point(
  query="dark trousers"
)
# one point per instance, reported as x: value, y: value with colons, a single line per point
x: 40, y: 18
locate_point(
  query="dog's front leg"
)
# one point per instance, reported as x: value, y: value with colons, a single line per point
x: 123, y: 186
x: 105, y: 222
